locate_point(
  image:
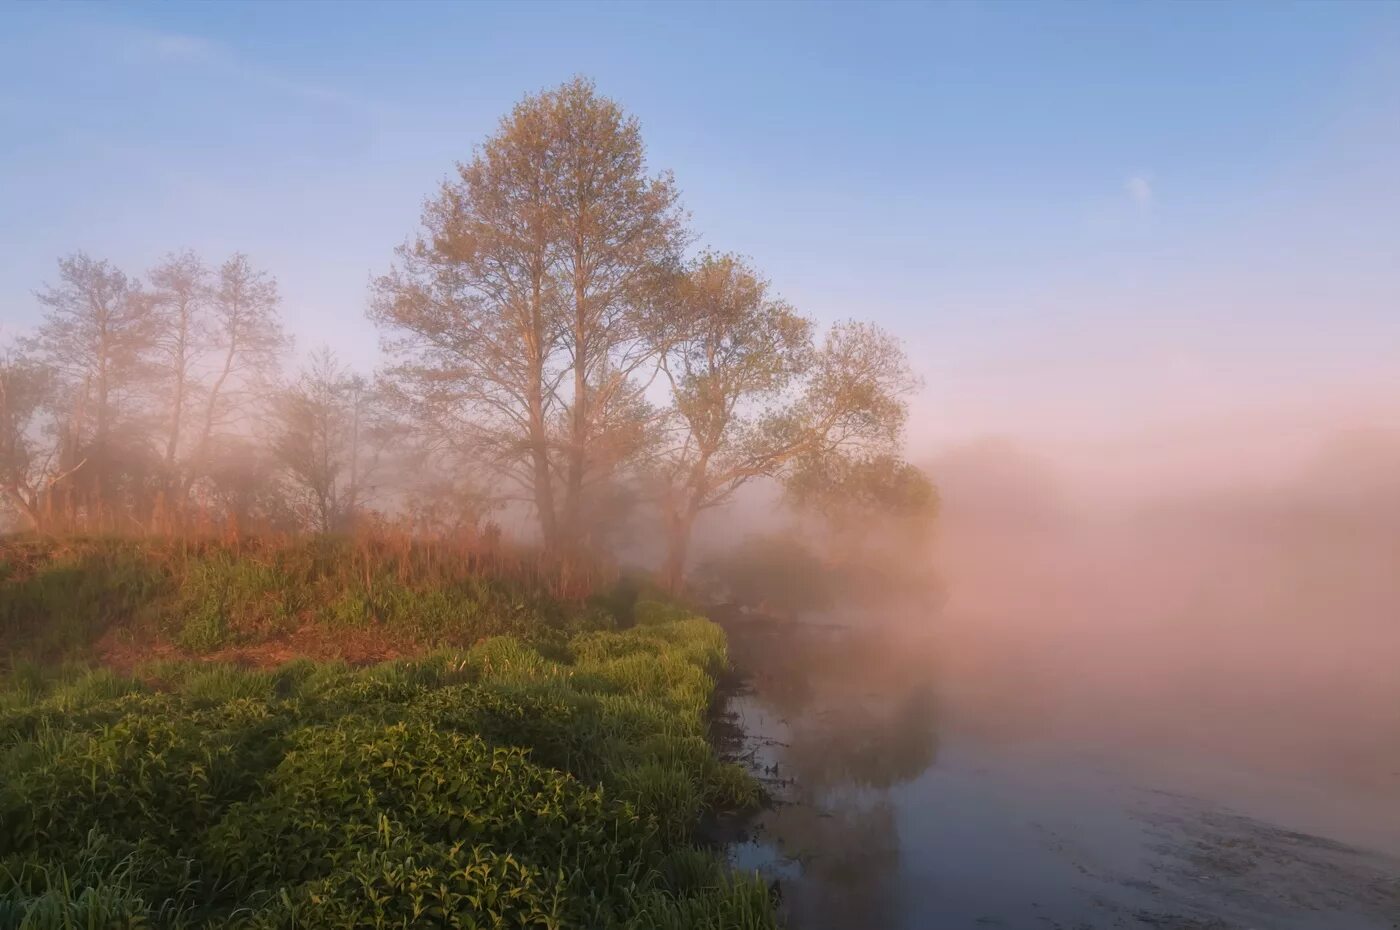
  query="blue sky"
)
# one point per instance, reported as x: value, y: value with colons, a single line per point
x: 1078, y: 216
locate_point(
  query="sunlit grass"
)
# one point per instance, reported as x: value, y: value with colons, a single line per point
x: 543, y: 778
x: 59, y: 598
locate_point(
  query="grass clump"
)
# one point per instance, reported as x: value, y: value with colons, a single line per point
x: 522, y: 781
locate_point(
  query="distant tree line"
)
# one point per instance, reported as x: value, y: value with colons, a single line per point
x: 550, y: 340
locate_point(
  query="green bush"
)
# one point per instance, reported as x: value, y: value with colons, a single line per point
x: 546, y: 781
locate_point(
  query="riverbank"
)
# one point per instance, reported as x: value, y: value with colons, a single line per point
x: 550, y: 780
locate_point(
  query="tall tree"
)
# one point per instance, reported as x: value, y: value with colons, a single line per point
x: 179, y: 299
x: 96, y: 336
x: 247, y: 342
x: 620, y: 234
x: 514, y: 317
x: 471, y: 313
x: 754, y: 394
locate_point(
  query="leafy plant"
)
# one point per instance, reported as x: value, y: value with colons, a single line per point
x: 550, y: 780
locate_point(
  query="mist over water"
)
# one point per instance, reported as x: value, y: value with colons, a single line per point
x: 1256, y: 625
x: 1176, y: 706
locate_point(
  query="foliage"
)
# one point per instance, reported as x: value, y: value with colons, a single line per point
x: 555, y: 783
x: 785, y: 573
x: 852, y: 492
x: 533, y: 778
x: 775, y: 572
x: 514, y: 315
x: 755, y: 395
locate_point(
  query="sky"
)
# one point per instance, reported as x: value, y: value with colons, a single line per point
x: 1165, y: 226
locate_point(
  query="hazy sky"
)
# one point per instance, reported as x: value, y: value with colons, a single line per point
x: 1084, y: 220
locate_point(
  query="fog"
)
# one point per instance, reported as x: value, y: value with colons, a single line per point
x: 1206, y: 618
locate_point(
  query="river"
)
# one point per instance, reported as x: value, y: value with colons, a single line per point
x: 906, y: 798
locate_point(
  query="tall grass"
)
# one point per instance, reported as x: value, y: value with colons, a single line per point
x: 60, y: 597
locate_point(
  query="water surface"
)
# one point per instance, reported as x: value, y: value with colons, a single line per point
x: 904, y: 801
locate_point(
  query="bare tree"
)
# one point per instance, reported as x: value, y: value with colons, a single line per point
x: 179, y: 298
x: 753, y: 394
x: 326, y: 441
x: 247, y: 342
x: 96, y: 337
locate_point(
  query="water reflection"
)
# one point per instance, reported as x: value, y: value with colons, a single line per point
x: 901, y: 807
x: 835, y: 720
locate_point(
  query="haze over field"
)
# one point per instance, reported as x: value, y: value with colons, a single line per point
x: 1075, y: 327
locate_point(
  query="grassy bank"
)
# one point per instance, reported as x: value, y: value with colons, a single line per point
x: 362, y: 598
x: 551, y: 778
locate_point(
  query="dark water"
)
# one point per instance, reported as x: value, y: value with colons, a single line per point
x: 900, y: 805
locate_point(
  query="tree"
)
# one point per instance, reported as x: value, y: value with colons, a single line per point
x: 244, y: 486
x: 472, y: 315
x: 179, y: 300
x: 855, y: 494
x: 753, y: 394
x: 619, y: 237
x: 515, y: 315
x: 326, y: 441
x: 95, y: 336
x: 247, y: 340
x: 27, y: 463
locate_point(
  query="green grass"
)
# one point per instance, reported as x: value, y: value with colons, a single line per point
x: 554, y: 777
x: 58, y: 599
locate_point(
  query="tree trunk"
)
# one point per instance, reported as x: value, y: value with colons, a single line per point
x: 573, y: 492
x: 27, y: 508
x: 177, y: 403
x: 201, y: 452
x: 678, y: 527
x: 544, y: 483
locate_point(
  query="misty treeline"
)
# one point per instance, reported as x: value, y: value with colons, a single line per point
x: 553, y: 340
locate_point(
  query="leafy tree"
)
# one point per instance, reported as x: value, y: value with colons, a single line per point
x: 856, y: 494
x: 243, y: 485
x: 754, y: 395
x: 619, y: 235
x: 515, y: 317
